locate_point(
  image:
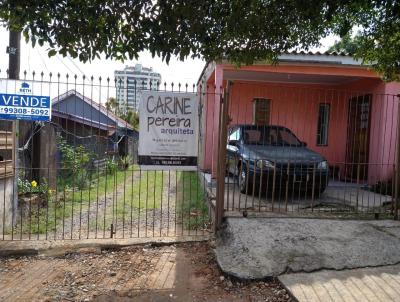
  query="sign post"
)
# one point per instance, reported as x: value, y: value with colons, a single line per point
x: 168, y: 131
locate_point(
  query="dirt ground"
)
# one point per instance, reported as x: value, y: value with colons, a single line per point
x: 185, y: 272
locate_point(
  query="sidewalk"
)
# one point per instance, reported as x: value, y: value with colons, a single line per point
x: 357, y: 285
x: 183, y: 272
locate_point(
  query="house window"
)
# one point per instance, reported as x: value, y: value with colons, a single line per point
x: 323, y: 124
x: 261, y: 111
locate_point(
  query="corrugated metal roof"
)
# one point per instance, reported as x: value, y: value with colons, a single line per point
x: 318, y: 53
x: 317, y: 57
x: 119, y: 121
x: 307, y: 57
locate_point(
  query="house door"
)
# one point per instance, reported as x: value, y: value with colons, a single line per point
x: 357, y: 149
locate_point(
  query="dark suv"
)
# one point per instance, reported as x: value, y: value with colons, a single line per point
x: 273, y: 159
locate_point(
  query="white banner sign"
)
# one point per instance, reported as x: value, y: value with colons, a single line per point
x: 168, y: 131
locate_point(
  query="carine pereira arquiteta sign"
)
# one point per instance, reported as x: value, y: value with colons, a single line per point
x: 24, y: 105
x: 168, y: 134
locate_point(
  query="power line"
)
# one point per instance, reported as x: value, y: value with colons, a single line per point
x: 62, y: 62
x: 43, y: 61
x: 76, y: 66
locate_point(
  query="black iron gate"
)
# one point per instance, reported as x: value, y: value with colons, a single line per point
x: 309, y: 152
x: 77, y: 176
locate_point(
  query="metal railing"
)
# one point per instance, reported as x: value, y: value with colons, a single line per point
x: 297, y: 150
x: 77, y: 176
x: 310, y: 151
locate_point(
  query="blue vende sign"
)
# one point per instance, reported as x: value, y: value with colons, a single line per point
x: 25, y: 105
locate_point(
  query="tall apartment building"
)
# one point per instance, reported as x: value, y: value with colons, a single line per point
x: 131, y: 81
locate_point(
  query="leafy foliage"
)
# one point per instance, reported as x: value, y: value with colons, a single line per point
x: 191, y: 202
x: 240, y: 31
x: 112, y: 104
x: 347, y: 44
x: 75, y: 160
x: 131, y: 117
x: 111, y: 165
x: 27, y: 187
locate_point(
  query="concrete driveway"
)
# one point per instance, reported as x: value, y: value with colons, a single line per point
x: 253, y: 248
x: 341, y: 196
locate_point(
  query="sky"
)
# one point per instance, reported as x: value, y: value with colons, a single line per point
x: 36, y: 59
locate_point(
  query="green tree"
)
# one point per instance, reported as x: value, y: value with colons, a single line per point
x: 238, y: 30
x: 129, y: 116
x: 112, y: 105
x: 132, y: 118
x: 346, y: 44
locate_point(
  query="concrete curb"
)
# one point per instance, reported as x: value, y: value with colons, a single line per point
x: 18, y: 252
x: 59, y: 248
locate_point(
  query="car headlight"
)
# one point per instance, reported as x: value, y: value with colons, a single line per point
x: 263, y: 163
x: 323, y: 165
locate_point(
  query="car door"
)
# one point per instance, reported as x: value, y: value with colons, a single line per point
x: 233, y: 149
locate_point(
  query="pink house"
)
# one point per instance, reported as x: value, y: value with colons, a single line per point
x: 340, y: 108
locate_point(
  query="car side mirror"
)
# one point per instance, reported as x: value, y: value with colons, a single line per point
x: 303, y: 144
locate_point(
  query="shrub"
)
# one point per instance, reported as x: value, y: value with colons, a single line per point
x: 32, y: 187
x: 111, y: 165
x: 75, y: 162
x: 26, y: 187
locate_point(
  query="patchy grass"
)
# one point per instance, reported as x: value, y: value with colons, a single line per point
x: 191, y: 204
x: 143, y: 193
x: 146, y: 193
x: 129, y: 192
x: 66, y: 203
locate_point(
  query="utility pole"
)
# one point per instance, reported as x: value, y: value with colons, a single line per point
x: 14, y: 59
x: 14, y: 55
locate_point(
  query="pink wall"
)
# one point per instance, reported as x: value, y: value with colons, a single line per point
x: 384, y: 132
x: 296, y: 107
x: 212, y: 92
x: 208, y: 126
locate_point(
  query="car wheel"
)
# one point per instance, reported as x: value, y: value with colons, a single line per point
x: 245, y: 185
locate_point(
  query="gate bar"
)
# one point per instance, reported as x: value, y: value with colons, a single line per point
x: 397, y: 169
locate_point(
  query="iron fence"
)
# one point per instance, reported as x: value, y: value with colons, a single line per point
x: 77, y: 176
x: 309, y: 150
x: 263, y: 148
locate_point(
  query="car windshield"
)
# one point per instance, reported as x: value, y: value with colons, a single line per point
x: 273, y: 136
